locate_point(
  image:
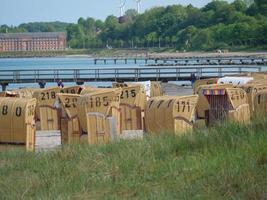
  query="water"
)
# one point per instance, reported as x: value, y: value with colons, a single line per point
x: 56, y: 63
x: 61, y: 63
x: 64, y: 63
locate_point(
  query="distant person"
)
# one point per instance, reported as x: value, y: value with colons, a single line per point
x: 60, y: 84
x: 193, y: 79
x: 42, y: 84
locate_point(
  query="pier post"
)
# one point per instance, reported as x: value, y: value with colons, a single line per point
x: 120, y: 80
x: 115, y: 61
x: 135, y: 62
x: 79, y: 82
x: 165, y: 80
x: 146, y: 61
x: 125, y: 61
x: 95, y: 61
x: 105, y: 61
x: 42, y: 84
x: 4, y: 85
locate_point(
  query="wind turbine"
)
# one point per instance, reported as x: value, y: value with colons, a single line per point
x: 122, y: 6
x: 138, y: 6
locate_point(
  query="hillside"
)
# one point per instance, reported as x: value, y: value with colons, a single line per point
x: 239, y: 25
x: 36, y: 27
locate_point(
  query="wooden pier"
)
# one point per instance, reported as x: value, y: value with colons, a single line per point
x: 80, y: 76
x: 178, y: 61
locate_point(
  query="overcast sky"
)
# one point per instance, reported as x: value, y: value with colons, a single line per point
x: 14, y: 12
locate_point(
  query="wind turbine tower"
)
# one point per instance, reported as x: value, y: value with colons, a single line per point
x: 122, y: 7
x: 138, y: 6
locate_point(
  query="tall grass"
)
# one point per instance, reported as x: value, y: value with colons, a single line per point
x: 226, y: 162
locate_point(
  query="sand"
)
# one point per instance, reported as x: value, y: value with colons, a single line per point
x: 172, y: 89
x: 211, y: 54
x: 47, y: 140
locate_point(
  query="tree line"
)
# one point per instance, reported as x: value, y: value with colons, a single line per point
x: 218, y: 25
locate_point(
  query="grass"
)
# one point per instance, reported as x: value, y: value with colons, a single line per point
x: 226, y: 162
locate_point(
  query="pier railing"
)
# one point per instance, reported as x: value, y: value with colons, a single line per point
x: 120, y: 74
x: 152, y: 60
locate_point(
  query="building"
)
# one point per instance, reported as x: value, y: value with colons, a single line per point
x: 49, y: 41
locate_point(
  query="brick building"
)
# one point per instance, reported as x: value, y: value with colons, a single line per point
x: 32, y: 41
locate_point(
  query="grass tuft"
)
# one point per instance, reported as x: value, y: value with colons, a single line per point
x: 223, y: 162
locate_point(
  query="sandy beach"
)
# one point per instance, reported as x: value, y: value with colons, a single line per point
x: 211, y: 54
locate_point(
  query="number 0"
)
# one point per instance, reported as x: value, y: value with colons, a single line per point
x: 18, y: 111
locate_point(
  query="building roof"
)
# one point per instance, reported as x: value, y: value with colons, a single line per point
x: 32, y: 35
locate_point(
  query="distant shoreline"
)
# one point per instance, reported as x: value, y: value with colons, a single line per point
x: 127, y: 53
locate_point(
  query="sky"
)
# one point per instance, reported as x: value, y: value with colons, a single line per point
x: 15, y: 12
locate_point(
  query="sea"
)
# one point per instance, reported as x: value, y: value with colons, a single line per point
x: 65, y: 63
x: 62, y: 63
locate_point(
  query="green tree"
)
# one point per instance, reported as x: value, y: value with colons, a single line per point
x: 203, y: 39
x: 75, y: 36
x: 240, y: 5
x: 131, y: 14
x: 219, y: 24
